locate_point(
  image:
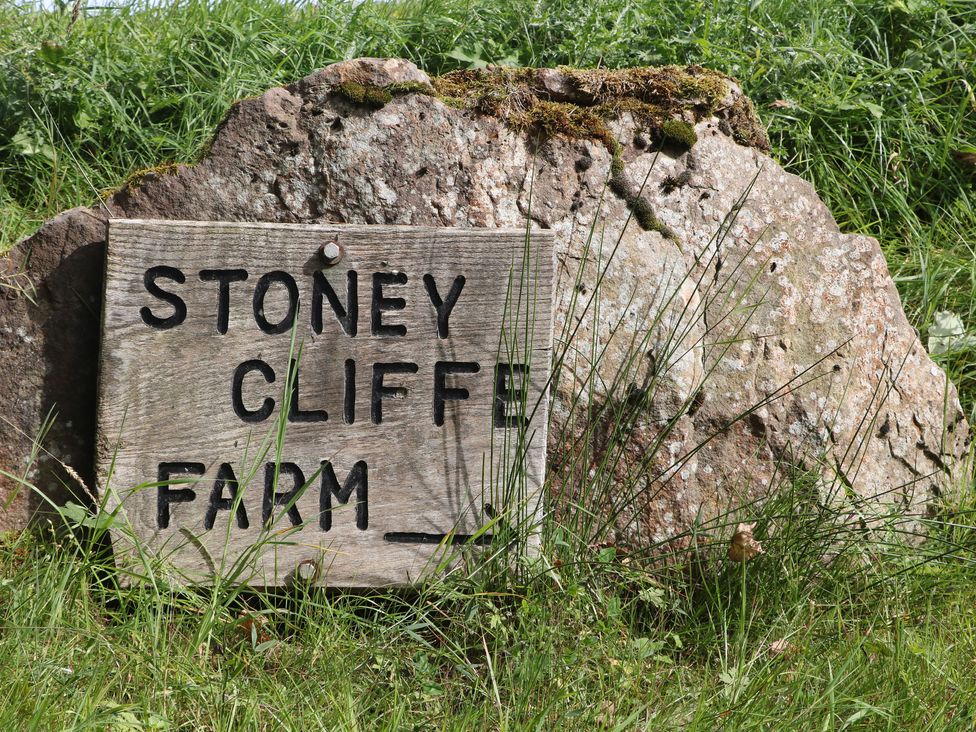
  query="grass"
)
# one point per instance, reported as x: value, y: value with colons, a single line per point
x: 869, y: 639
x: 834, y: 627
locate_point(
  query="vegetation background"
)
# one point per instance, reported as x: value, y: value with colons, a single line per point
x: 871, y: 100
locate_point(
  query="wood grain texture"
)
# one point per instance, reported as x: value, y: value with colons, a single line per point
x: 166, y: 396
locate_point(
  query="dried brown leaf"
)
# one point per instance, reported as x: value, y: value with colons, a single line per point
x: 965, y: 157
x: 744, y: 546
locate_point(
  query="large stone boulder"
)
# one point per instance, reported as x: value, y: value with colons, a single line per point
x: 714, y: 328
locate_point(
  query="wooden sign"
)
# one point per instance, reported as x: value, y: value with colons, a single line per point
x: 337, y: 404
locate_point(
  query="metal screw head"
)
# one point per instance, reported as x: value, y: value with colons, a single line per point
x: 331, y: 251
x: 307, y: 571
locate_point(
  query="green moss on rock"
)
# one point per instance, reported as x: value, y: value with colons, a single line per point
x: 136, y: 178
x: 647, y: 219
x: 366, y: 94
x: 679, y: 133
x: 579, y: 102
x: 553, y: 119
x: 641, y: 209
x: 376, y: 97
x: 410, y: 87
x: 744, y: 125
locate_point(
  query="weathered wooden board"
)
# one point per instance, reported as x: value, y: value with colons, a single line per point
x: 413, y: 410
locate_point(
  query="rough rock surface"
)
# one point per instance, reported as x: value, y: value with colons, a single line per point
x: 706, y: 346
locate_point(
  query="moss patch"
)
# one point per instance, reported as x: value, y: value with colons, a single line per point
x: 366, y: 94
x: 135, y: 179
x: 679, y: 133
x: 578, y: 102
x: 640, y: 207
x: 409, y: 87
x: 673, y: 182
x: 744, y: 125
